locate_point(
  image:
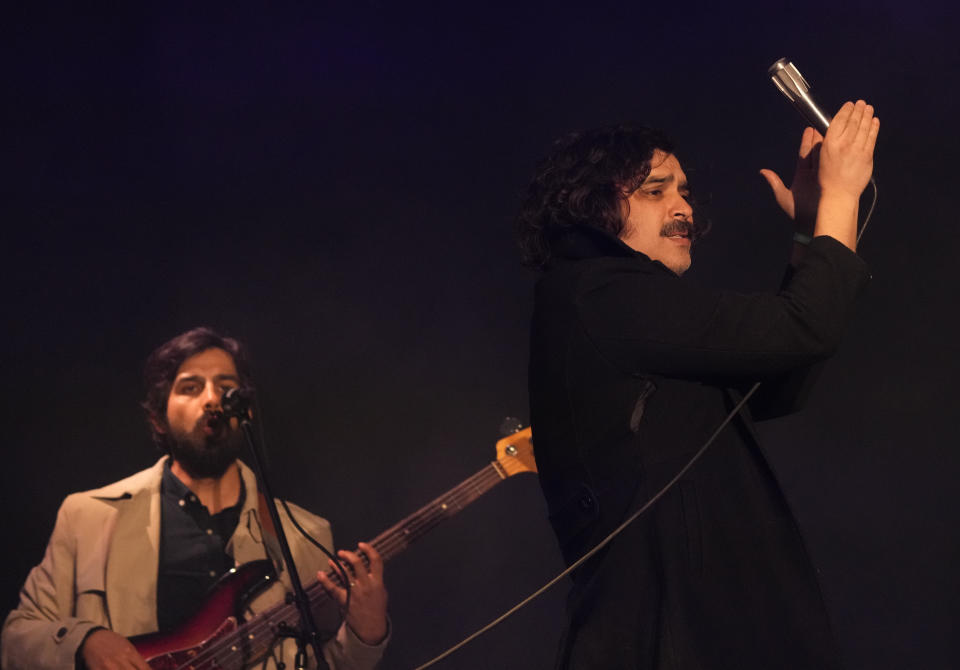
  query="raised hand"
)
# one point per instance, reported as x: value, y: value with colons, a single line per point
x: 846, y: 158
x: 799, y: 202
x: 367, y: 616
x: 846, y: 163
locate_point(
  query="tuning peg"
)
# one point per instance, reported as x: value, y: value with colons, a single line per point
x: 510, y: 425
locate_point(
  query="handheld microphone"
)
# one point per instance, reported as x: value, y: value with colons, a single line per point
x: 791, y: 83
x: 236, y: 402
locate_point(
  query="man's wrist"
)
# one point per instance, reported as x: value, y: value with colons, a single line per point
x: 374, y: 636
x: 837, y: 217
x: 79, y: 663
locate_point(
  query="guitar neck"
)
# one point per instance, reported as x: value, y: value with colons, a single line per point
x: 395, y: 539
x: 401, y: 535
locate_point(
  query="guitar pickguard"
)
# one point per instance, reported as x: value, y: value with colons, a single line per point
x: 194, y: 658
x: 220, y: 615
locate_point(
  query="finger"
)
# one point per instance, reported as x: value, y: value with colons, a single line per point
x: 773, y: 179
x: 812, y: 158
x: 376, y: 560
x: 129, y: 660
x: 330, y: 579
x: 856, y: 122
x: 863, y: 132
x: 343, y: 573
x: 338, y: 593
x: 840, y: 120
x: 338, y: 572
x: 872, y: 134
x: 781, y: 193
x: 807, y: 141
x: 859, y: 110
x: 357, y: 566
x: 140, y: 664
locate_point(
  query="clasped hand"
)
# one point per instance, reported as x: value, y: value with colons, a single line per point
x: 838, y: 164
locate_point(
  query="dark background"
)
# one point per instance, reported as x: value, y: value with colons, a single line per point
x: 335, y: 185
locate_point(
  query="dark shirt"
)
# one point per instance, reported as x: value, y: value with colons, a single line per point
x: 192, y: 550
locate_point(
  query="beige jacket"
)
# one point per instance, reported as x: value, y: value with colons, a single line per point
x: 100, y: 569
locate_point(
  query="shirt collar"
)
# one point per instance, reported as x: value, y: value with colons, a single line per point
x: 174, y: 488
x: 578, y: 242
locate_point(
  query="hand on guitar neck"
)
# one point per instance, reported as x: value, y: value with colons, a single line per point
x: 367, y: 616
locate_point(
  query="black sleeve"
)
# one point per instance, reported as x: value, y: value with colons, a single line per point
x: 644, y: 319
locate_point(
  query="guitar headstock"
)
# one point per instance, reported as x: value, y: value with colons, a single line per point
x: 515, y: 453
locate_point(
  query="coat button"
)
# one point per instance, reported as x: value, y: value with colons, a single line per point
x: 586, y: 502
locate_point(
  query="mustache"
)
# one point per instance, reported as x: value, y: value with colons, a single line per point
x: 691, y: 229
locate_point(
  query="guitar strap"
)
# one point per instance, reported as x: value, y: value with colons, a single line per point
x: 266, y: 522
x: 270, y: 540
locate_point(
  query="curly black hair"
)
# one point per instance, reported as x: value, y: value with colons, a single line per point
x: 161, y: 370
x: 585, y: 180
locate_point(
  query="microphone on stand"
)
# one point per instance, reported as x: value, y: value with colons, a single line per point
x: 791, y: 83
x: 236, y: 402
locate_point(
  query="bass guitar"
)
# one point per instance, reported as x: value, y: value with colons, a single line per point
x: 217, y: 637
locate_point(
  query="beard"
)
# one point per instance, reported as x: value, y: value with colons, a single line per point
x: 209, y: 449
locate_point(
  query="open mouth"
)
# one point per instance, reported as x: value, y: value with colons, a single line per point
x: 685, y: 237
x: 679, y: 231
x: 212, y: 423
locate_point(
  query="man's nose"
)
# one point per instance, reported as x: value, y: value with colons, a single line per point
x: 211, y: 396
x: 682, y: 208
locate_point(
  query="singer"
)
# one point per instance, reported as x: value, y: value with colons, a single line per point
x: 633, y: 367
x: 138, y: 556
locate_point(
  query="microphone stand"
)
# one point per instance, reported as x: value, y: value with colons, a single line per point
x: 308, y: 628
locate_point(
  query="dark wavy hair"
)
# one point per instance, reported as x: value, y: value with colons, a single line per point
x: 585, y: 180
x: 161, y: 370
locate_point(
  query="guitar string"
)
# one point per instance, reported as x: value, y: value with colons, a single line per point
x: 395, y: 537
x: 266, y: 618
x: 242, y: 647
x: 434, y: 514
x: 391, y: 542
x: 460, y: 496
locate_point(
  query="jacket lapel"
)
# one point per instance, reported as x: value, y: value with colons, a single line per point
x: 133, y: 557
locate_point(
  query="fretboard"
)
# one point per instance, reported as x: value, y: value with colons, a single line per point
x: 395, y: 539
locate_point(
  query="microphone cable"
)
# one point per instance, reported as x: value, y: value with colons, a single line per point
x: 873, y: 204
x: 340, y: 570
x: 605, y: 541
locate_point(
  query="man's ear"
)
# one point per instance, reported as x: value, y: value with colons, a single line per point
x: 160, y: 427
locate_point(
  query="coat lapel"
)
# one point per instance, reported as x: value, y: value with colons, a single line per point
x: 133, y: 557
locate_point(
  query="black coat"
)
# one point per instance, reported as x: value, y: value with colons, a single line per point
x: 631, y: 370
